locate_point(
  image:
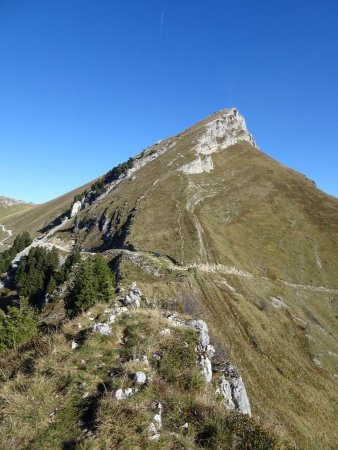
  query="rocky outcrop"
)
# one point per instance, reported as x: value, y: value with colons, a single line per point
x: 133, y: 298
x: 232, y: 389
x: 102, y: 328
x: 199, y: 165
x: 227, y: 129
x: 77, y: 206
x: 204, y: 350
x: 231, y: 385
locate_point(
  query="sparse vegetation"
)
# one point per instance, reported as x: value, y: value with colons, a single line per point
x: 68, y: 400
x: 98, y: 187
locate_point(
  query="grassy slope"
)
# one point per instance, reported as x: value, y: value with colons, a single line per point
x: 41, y: 215
x: 6, y: 211
x: 259, y: 216
x: 54, y: 397
x: 263, y: 218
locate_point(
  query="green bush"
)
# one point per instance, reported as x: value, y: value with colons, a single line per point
x: 17, y: 326
x: 99, y: 186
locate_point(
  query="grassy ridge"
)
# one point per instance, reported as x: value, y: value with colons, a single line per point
x: 56, y: 397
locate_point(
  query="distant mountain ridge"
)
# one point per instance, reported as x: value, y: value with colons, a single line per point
x: 8, y: 202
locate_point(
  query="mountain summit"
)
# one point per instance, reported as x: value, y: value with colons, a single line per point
x: 207, y: 219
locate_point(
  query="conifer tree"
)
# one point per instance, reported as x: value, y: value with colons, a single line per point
x: 103, y: 277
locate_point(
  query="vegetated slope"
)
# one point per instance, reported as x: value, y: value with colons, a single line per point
x: 38, y: 216
x: 120, y: 377
x: 8, y: 207
x: 11, y: 206
x: 250, y: 244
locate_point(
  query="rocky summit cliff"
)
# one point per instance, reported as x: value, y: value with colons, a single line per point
x: 247, y: 245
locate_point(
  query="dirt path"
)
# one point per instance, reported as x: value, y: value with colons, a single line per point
x: 5, y: 230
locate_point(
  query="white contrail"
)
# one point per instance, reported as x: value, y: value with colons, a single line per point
x: 161, y: 25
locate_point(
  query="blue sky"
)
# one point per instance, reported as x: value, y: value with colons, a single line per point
x: 85, y: 84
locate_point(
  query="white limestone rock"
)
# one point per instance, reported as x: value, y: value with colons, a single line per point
x: 124, y: 394
x: 155, y: 437
x: 222, y: 132
x: 210, y: 351
x: 278, y: 303
x: 239, y: 395
x: 156, y: 425
x: 152, y: 428
x: 75, y: 208
x: 206, y: 366
x: 112, y: 318
x: 199, y: 165
x: 140, y: 377
x: 102, y: 328
x: 175, y: 320
x: 120, y: 310
x: 203, y: 331
x: 133, y: 298
x: 74, y: 345
x: 158, y: 421
x: 225, y: 390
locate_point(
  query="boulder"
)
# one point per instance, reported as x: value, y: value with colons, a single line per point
x: 75, y: 208
x: 239, y: 398
x: 225, y: 390
x: 139, y: 377
x: 102, y: 328
x: 123, y: 394
x: 133, y: 298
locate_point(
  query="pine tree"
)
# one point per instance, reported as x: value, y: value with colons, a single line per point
x: 103, y: 277
x: 83, y: 293
x: 18, y: 325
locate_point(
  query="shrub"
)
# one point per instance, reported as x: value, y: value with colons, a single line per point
x: 17, y: 326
